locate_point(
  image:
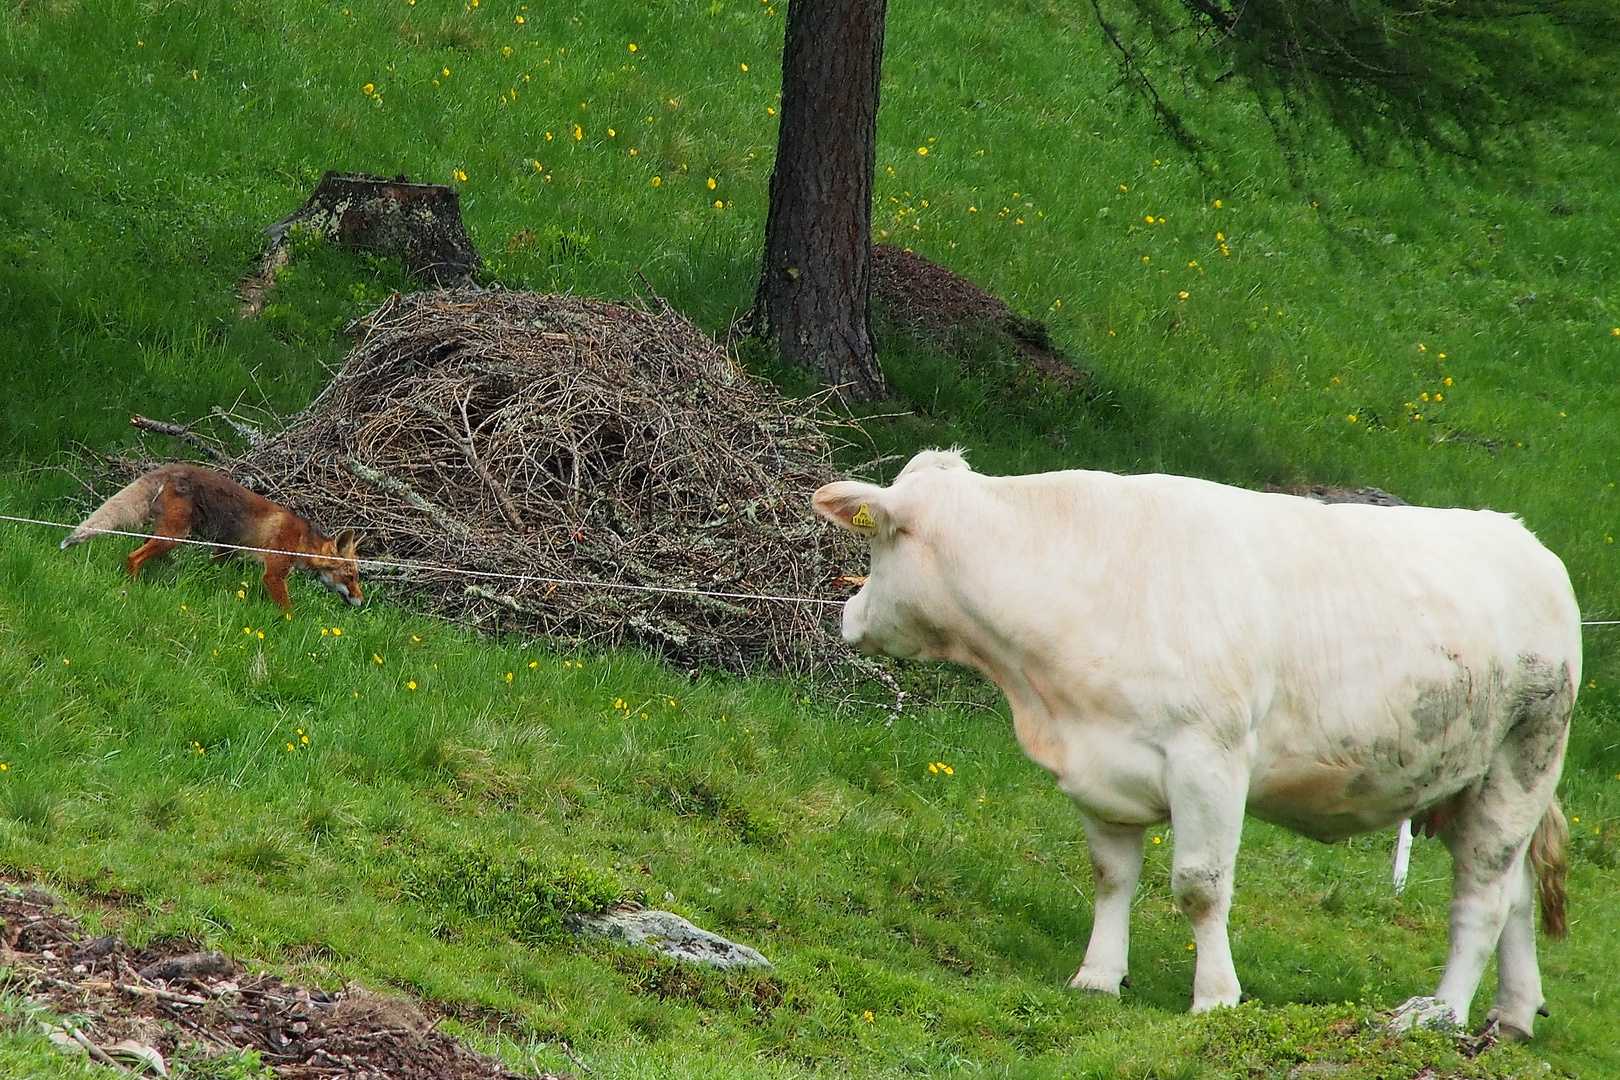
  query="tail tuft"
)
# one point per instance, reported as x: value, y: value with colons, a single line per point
x: 1548, y: 857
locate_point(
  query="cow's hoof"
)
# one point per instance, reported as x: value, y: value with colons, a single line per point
x: 1199, y: 1007
x: 1507, y: 1028
x: 1425, y: 1012
x: 1097, y: 982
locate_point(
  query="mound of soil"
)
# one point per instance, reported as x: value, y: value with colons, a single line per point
x: 923, y: 299
x: 126, y: 1006
x: 589, y: 471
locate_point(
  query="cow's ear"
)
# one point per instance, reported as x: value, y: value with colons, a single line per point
x: 853, y: 505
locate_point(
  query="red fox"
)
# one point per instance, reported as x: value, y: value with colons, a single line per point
x: 180, y: 499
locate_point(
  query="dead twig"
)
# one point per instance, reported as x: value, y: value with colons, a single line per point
x: 182, y: 432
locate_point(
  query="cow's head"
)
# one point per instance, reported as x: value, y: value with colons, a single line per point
x: 896, y: 610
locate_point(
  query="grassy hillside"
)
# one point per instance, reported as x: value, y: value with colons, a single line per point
x: 1443, y: 336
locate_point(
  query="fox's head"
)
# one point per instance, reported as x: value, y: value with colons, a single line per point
x: 336, y: 566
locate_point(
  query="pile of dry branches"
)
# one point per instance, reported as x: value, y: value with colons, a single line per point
x: 551, y: 438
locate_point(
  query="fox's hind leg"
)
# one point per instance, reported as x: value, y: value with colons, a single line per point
x: 171, y: 521
x: 149, y: 550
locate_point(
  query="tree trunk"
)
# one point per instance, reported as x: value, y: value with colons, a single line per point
x: 815, y: 280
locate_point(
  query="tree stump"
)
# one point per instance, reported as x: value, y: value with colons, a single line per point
x: 417, y: 223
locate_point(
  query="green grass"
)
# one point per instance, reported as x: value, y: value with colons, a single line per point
x: 921, y: 923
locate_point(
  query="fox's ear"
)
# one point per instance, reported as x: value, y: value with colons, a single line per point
x: 855, y: 506
x: 346, y: 542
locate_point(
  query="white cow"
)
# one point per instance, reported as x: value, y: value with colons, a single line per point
x: 1177, y: 650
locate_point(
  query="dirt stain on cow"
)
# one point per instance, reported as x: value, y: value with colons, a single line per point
x: 1542, y: 698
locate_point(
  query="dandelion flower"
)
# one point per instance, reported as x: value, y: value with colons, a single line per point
x: 743, y: 66
x: 718, y: 204
x: 922, y: 151
x: 657, y: 181
x: 1123, y: 188
x: 632, y: 46
x: 867, y: 1016
x: 1217, y: 204
x: 411, y: 685
x: 459, y: 175
x: 508, y: 676
x: 1351, y: 418
x: 519, y: 20
x: 368, y: 89
x: 1183, y: 294
x: 711, y: 183
x: 578, y: 133
x: 1158, y: 840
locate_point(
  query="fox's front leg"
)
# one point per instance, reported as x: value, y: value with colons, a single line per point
x: 1116, y: 867
x: 275, y: 580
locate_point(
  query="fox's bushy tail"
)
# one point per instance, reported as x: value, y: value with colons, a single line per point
x: 128, y: 509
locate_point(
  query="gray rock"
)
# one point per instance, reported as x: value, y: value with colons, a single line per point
x: 669, y: 934
x: 1425, y: 1012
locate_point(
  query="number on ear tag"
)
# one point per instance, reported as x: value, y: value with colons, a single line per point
x: 863, y: 519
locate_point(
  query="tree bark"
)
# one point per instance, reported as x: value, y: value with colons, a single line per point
x: 815, y: 279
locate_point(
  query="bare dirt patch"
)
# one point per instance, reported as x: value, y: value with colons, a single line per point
x: 168, y: 1000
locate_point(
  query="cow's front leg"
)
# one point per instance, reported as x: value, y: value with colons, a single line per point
x: 1116, y: 867
x: 1207, y: 794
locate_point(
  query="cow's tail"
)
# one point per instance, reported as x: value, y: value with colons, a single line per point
x: 1548, y: 860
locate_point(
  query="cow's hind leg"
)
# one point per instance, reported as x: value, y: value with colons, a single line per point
x: 1518, y: 978
x: 1116, y: 867
x: 1489, y: 839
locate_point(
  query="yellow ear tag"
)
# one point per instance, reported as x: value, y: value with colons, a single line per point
x: 863, y: 519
